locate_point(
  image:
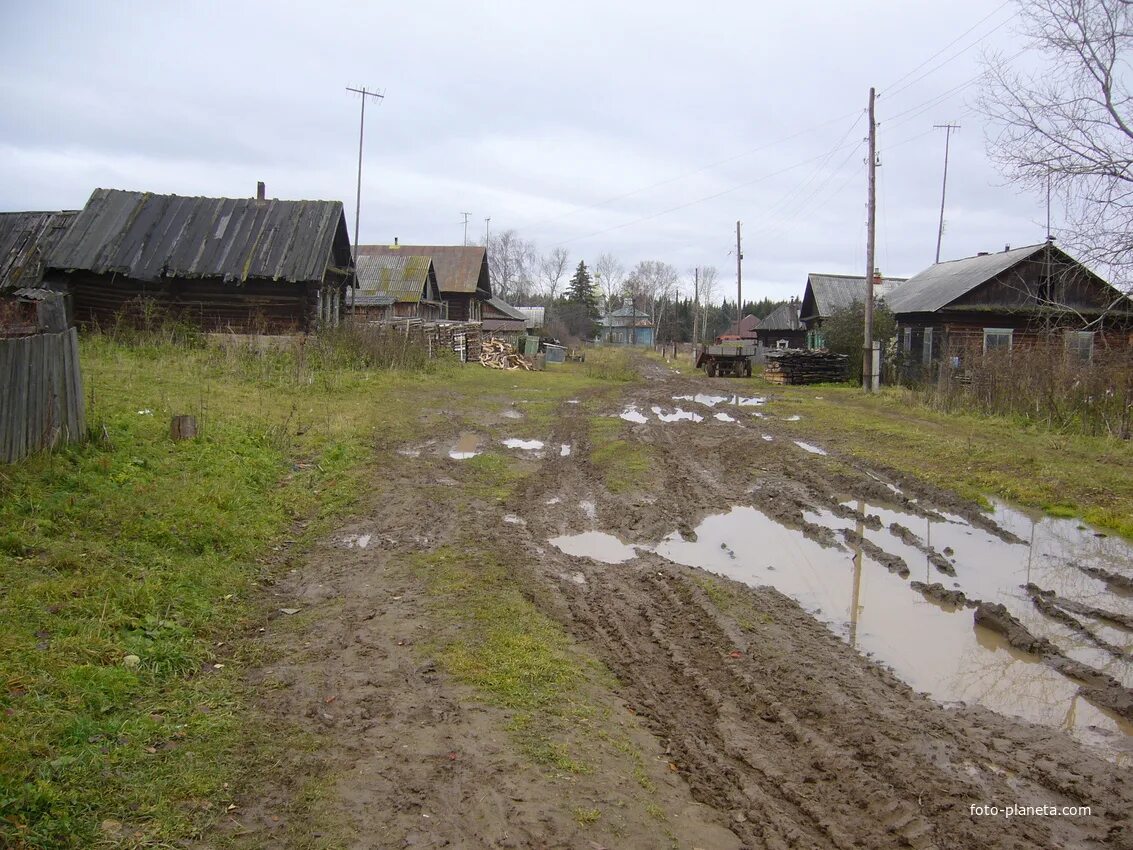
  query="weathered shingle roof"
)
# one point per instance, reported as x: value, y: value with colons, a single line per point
x: 505, y: 308
x: 360, y: 298
x: 25, y: 239
x: 149, y: 237
x: 459, y: 268
x: 785, y: 317
x: 404, y: 277
x: 826, y: 294
x: 943, y: 283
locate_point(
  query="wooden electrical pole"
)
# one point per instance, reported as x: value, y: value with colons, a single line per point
x: 947, y: 128
x: 871, y: 204
x: 695, y: 306
x: 739, y: 280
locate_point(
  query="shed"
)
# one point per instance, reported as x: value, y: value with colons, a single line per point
x: 994, y: 301
x: 25, y: 239
x: 535, y: 317
x: 462, y: 274
x: 626, y: 326
x: 747, y: 327
x: 502, y: 321
x: 827, y: 294
x: 250, y: 265
x: 782, y: 328
x: 409, y: 281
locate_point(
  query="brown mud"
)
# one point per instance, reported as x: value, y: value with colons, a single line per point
x: 754, y: 724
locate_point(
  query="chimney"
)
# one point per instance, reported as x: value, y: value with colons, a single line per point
x: 395, y: 241
x: 261, y: 190
x: 1006, y: 248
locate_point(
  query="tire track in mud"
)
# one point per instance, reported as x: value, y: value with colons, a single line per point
x: 802, y: 741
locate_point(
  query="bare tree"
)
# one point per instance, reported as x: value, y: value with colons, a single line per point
x: 1067, y: 125
x: 610, y: 275
x: 651, y: 285
x: 553, y: 268
x: 510, y: 261
x: 709, y: 283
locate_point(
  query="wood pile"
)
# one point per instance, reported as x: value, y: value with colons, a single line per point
x: 497, y: 354
x: 803, y: 366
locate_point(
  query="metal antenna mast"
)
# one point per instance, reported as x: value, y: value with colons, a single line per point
x: 466, y: 215
x: 947, y: 128
x: 487, y: 221
x: 361, y: 132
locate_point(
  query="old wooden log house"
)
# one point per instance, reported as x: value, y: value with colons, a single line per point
x: 247, y: 265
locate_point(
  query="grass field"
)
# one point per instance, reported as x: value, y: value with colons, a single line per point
x: 129, y: 568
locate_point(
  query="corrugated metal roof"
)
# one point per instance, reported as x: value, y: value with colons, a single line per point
x: 459, y: 268
x: 626, y: 317
x: 405, y: 277
x: 535, y: 316
x: 149, y: 237
x: 943, y: 283
x: 785, y: 317
x: 833, y: 292
x: 25, y: 239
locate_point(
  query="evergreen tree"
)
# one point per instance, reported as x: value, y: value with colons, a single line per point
x: 581, y: 290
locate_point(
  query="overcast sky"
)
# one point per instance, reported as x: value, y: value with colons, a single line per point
x: 644, y: 129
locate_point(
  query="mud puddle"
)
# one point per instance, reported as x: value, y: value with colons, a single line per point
x: 809, y: 447
x: 858, y: 590
x: 678, y: 415
x: 713, y: 400
x: 524, y: 445
x: 596, y: 545
x: 467, y: 446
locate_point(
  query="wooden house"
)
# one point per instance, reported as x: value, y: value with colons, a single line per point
x: 827, y: 294
x: 502, y: 321
x: 248, y: 265
x: 782, y: 328
x: 396, y: 287
x: 966, y: 308
x: 462, y: 274
x: 626, y: 326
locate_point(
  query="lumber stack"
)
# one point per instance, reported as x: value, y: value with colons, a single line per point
x: 804, y: 366
x: 497, y: 354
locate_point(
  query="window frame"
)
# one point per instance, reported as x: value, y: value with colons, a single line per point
x: 1008, y: 332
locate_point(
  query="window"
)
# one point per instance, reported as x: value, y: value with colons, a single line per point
x: 1080, y: 344
x: 926, y: 351
x: 782, y: 343
x: 908, y: 346
x: 997, y: 339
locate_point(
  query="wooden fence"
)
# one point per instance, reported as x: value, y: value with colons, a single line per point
x: 41, y: 393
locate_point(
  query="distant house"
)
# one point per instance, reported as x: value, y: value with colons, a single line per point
x: 396, y: 287
x: 462, y: 274
x: 782, y: 328
x: 249, y: 265
x: 502, y: 321
x: 1012, y: 298
x: 747, y: 328
x: 626, y: 326
x: 25, y: 239
x: 827, y: 294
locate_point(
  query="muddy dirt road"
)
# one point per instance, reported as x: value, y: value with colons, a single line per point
x: 791, y: 637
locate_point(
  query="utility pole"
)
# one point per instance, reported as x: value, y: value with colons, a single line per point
x: 379, y: 96
x: 947, y: 128
x: 739, y: 281
x: 871, y: 204
x: 466, y: 215
x: 487, y: 221
x: 695, y: 307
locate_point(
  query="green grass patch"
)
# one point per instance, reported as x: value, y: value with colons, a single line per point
x: 503, y: 646
x: 625, y: 464
x: 611, y: 364
x: 976, y: 456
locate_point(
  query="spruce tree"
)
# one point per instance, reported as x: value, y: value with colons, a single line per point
x: 581, y: 290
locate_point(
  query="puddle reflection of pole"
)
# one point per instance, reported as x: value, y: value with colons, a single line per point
x: 928, y: 548
x: 1070, y: 720
x: 1031, y: 551
x: 854, y: 608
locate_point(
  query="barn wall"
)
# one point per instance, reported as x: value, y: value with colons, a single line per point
x: 212, y: 305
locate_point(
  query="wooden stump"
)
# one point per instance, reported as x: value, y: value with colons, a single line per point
x: 183, y: 428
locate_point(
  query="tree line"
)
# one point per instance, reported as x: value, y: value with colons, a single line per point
x: 577, y: 295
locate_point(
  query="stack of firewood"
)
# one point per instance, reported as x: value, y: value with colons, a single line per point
x: 804, y: 366
x: 497, y: 354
